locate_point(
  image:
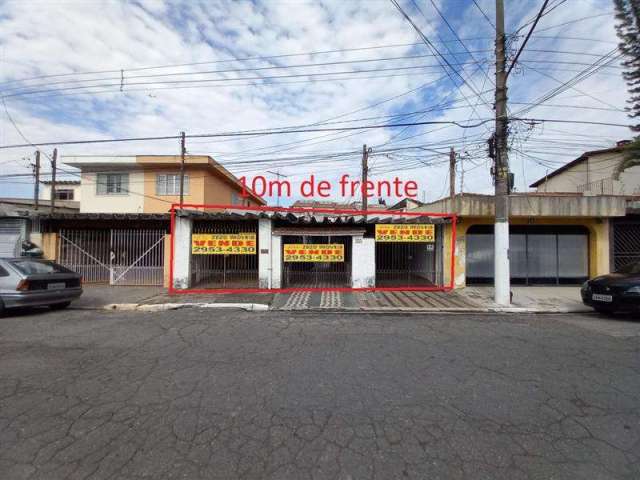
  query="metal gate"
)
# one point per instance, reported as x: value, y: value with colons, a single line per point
x: 117, y: 257
x: 225, y: 271
x: 12, y: 233
x: 626, y: 243
x: 405, y: 264
x: 317, y: 274
x: 138, y: 257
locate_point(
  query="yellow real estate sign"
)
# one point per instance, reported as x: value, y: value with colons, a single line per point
x: 405, y: 233
x: 223, y: 243
x: 300, y: 252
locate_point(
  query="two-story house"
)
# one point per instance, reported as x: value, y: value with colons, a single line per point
x: 597, y: 172
x: 121, y: 235
x: 576, y: 225
x: 151, y: 183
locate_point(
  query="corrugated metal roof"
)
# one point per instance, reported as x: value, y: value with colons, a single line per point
x: 305, y: 218
x: 312, y: 218
x: 101, y: 216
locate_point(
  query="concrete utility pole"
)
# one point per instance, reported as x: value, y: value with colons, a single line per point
x: 53, y: 179
x: 183, y: 150
x: 36, y: 186
x: 452, y: 173
x: 278, y: 176
x: 502, y: 281
x: 365, y: 173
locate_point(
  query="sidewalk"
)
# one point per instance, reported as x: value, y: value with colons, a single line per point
x: 548, y: 299
x: 471, y: 299
x: 105, y: 297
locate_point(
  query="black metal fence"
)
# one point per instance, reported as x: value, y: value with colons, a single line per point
x: 405, y: 264
x: 317, y: 274
x: 626, y: 243
x: 225, y: 270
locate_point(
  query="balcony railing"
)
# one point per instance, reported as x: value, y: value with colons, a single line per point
x: 599, y: 187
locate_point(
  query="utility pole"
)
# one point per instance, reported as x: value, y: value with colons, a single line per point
x: 278, y: 175
x: 502, y: 281
x: 365, y: 173
x: 36, y: 186
x: 53, y: 179
x: 183, y: 150
x: 452, y: 173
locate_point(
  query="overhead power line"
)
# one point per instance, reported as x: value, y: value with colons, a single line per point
x: 526, y: 39
x: 245, y: 133
x: 460, y: 124
x: 484, y: 14
x: 214, y: 80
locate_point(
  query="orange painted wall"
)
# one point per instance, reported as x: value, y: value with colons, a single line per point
x: 154, y: 203
x: 204, y: 188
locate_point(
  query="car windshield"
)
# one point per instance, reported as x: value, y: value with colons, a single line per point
x: 630, y: 268
x: 31, y: 266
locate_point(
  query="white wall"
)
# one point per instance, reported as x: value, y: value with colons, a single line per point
x: 45, y: 191
x: 264, y: 253
x: 132, y: 202
x: 363, y: 262
x: 630, y: 181
x: 182, y: 253
x: 276, y: 261
x: 599, y: 167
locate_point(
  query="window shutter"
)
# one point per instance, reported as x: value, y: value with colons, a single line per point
x: 161, y: 184
x: 101, y: 182
x: 124, y: 183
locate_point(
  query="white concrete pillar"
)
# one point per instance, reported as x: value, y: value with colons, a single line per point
x: 182, y: 253
x: 264, y: 254
x: 276, y: 261
x: 363, y: 262
x: 502, y: 275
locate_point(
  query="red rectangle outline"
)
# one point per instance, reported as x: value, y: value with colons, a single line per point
x: 444, y: 288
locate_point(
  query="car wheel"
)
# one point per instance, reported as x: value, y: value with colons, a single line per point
x: 1, y: 308
x: 59, y: 306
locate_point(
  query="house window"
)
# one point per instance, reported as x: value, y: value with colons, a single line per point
x: 64, y: 194
x: 112, y: 183
x: 235, y: 199
x: 169, y: 184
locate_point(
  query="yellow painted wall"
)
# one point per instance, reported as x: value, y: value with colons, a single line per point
x: 598, y: 242
x: 50, y: 245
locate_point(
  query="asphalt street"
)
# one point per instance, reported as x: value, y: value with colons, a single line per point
x: 214, y: 394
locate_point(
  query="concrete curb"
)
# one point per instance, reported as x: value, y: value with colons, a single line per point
x: 261, y: 307
x: 161, y: 307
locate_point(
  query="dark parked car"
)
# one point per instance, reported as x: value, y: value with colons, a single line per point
x: 616, y: 292
x: 32, y: 282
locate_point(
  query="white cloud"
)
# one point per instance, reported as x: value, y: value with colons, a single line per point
x: 102, y: 36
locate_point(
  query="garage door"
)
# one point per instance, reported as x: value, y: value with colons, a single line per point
x: 12, y: 232
x: 539, y: 255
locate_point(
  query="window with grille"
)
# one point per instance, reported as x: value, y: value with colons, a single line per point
x: 169, y: 184
x: 112, y: 183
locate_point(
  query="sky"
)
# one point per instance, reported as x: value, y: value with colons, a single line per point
x: 75, y: 70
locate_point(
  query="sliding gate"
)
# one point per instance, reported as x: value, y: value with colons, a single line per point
x: 316, y: 261
x: 224, y: 254
x: 114, y: 256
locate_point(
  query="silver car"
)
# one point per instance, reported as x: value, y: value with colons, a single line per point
x: 32, y: 282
